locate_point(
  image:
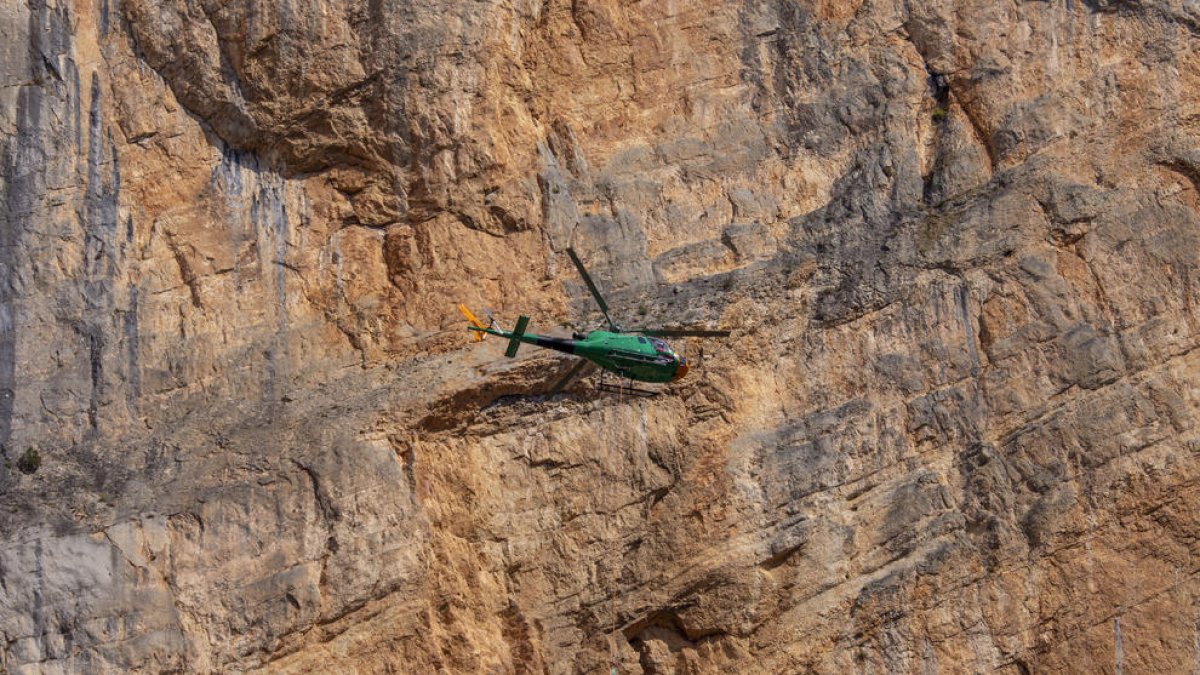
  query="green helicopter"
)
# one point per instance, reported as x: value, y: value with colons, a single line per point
x: 637, y: 354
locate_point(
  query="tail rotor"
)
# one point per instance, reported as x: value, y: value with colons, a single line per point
x: 476, y: 327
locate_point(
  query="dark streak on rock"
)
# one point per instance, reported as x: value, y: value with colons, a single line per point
x: 24, y: 183
x: 961, y: 296
x: 133, y: 391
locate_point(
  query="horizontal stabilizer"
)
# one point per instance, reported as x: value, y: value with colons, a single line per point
x: 514, y: 340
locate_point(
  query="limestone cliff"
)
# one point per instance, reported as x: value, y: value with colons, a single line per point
x: 955, y: 429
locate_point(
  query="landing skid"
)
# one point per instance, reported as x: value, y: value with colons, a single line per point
x: 626, y: 389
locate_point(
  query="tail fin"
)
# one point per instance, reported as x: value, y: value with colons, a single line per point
x: 514, y: 340
x: 474, y: 322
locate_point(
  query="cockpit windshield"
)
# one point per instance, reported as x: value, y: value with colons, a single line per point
x: 660, y: 346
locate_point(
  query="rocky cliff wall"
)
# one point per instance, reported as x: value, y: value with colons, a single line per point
x: 955, y: 428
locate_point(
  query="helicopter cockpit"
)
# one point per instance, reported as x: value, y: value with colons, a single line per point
x: 661, y: 347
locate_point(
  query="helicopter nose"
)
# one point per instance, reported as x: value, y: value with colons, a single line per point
x: 681, y: 369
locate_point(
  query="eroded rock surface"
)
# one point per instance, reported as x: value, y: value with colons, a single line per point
x: 955, y: 429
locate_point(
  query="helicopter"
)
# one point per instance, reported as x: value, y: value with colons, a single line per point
x: 634, y: 354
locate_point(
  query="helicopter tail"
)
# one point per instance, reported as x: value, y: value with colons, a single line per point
x: 475, y: 323
x: 514, y: 339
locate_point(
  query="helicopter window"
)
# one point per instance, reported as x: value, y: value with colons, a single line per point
x: 660, y: 346
x: 642, y: 340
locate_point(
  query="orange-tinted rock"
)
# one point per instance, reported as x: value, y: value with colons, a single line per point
x: 954, y: 429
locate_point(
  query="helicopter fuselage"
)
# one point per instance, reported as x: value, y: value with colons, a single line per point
x: 645, y: 359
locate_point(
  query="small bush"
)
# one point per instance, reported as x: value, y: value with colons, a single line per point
x: 939, y: 113
x: 30, y: 461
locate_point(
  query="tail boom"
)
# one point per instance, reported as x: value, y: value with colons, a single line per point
x: 516, y: 336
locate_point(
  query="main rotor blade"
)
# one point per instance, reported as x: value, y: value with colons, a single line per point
x: 566, y: 379
x: 682, y: 332
x: 587, y: 279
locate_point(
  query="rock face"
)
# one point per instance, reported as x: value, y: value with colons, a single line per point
x: 955, y: 429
